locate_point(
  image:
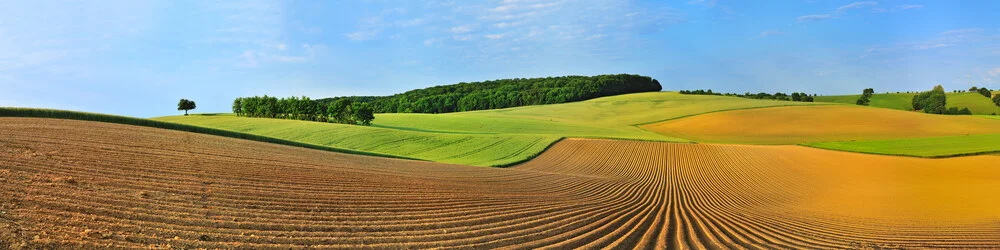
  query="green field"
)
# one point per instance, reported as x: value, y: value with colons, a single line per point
x: 978, y: 104
x: 470, y: 149
x: 492, y: 137
x: 921, y: 147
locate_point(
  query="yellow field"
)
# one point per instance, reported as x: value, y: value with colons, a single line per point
x: 802, y: 124
x: 75, y: 184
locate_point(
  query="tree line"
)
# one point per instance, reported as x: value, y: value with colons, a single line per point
x: 795, y: 96
x: 505, y: 93
x: 340, y: 111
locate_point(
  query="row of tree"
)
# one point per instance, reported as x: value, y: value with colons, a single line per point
x: 341, y: 111
x: 795, y: 96
x: 505, y: 93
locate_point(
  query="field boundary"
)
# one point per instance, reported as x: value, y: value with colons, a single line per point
x: 903, y: 155
x: 125, y: 120
x: 639, y: 125
x: 529, y: 158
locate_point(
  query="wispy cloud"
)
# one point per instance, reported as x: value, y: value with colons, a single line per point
x: 462, y: 29
x: 856, y: 5
x: 769, y: 33
x: 362, y: 35
x: 810, y: 18
x: 910, y: 7
x: 965, y: 31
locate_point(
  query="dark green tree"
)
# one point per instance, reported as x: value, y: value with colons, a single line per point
x: 186, y: 105
x: 238, y: 106
x: 985, y: 92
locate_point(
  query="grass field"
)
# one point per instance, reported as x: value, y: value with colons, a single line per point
x: 85, y: 185
x: 488, y: 138
x: 794, y: 125
x: 920, y: 147
x: 978, y: 104
x: 470, y: 149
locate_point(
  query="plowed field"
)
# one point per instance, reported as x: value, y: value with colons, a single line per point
x: 77, y: 184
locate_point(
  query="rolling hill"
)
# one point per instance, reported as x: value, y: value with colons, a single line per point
x: 492, y: 137
x: 978, y: 104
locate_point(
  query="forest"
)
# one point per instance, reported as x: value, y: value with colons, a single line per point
x: 505, y: 93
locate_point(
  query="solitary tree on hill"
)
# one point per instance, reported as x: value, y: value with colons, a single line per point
x: 186, y: 105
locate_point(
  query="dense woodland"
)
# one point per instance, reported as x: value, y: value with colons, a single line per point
x: 505, y: 93
x: 340, y: 111
x: 795, y: 96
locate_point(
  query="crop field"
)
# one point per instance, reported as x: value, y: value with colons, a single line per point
x: 795, y: 125
x: 920, y: 147
x: 457, y: 148
x: 492, y: 137
x: 79, y: 184
x: 978, y: 104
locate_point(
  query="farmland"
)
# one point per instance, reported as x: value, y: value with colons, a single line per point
x: 491, y: 137
x: 794, y: 125
x: 978, y: 104
x: 79, y: 184
x: 920, y: 147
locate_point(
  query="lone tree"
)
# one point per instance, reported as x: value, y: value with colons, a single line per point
x: 865, y: 97
x: 186, y: 105
x: 996, y: 100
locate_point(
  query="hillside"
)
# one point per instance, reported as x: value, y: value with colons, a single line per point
x: 806, y: 124
x: 978, y: 104
x: 85, y: 185
x: 488, y: 138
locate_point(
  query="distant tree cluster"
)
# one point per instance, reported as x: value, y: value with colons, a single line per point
x: 866, y: 96
x: 982, y: 91
x: 505, y: 93
x: 935, y: 102
x: 344, y: 111
x: 996, y: 100
x: 795, y: 96
x: 186, y: 105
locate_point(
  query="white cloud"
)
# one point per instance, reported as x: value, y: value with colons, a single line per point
x: 910, y: 6
x: 362, y: 35
x: 462, y: 29
x: 250, y: 57
x: 856, y: 5
x: 494, y: 36
x: 956, y: 32
x: 412, y: 22
x: 597, y: 36
x: 995, y: 72
x: 282, y: 46
x: 463, y: 38
x: 770, y: 33
x: 933, y: 46
x: 809, y: 18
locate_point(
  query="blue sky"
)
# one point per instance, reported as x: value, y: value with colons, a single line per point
x: 138, y: 58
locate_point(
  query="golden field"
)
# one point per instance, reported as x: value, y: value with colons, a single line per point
x: 803, y: 124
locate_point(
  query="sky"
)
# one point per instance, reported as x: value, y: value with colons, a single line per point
x: 137, y: 58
